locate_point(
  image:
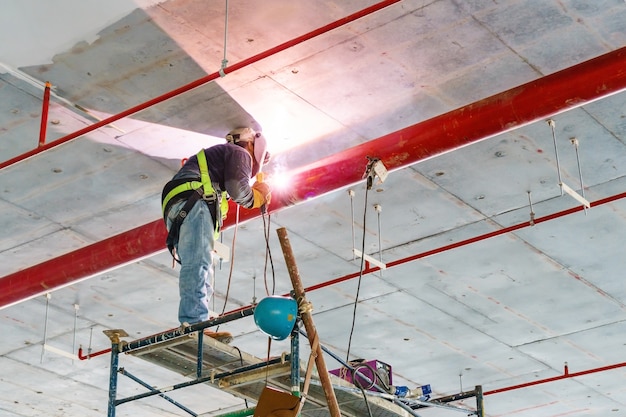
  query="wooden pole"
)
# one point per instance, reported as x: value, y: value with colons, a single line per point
x: 307, y: 319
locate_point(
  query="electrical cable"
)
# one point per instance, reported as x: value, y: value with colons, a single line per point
x: 232, y: 260
x: 358, y: 382
x: 268, y: 255
x: 361, y: 269
x: 241, y: 361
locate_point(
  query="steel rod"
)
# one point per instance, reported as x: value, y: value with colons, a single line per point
x: 113, y: 378
x: 202, y: 380
x: 165, y: 397
x: 184, y: 330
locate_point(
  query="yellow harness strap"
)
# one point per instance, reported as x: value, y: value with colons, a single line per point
x: 208, y: 194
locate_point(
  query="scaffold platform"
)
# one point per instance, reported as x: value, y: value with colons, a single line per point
x: 227, y: 368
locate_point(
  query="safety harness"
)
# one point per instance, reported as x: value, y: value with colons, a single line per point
x: 193, y: 191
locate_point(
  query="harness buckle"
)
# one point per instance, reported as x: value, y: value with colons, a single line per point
x: 209, y: 198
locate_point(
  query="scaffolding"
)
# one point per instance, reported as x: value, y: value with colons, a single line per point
x: 204, y: 360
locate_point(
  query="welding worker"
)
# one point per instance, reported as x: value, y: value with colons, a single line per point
x: 194, y: 204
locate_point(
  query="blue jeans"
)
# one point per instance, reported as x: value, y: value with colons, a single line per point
x: 195, y: 251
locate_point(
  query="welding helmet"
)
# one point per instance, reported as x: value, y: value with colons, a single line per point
x: 247, y: 134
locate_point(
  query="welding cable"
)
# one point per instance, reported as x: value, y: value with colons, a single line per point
x: 358, y: 382
x: 268, y: 253
x: 232, y: 262
x: 242, y: 364
x: 361, y: 269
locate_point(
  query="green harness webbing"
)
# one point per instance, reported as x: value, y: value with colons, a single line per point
x: 204, y: 190
x: 208, y: 191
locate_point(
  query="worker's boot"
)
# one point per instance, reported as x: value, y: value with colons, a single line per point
x: 224, y: 337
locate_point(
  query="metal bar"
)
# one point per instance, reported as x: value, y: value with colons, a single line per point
x: 555, y: 93
x: 58, y: 351
x: 200, y: 354
x: 113, y: 378
x: 569, y: 190
x: 309, y: 325
x: 165, y: 397
x: 181, y: 331
x: 480, y: 409
x: 379, y: 264
x: 295, y: 361
x: 202, y: 380
x: 44, y: 114
x: 201, y: 81
x: 456, y: 397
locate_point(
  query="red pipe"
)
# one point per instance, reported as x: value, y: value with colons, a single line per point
x: 512, y: 109
x: 199, y: 82
x: 505, y: 230
x: 536, y: 100
x: 566, y: 375
x: 44, y: 114
x: 91, y: 355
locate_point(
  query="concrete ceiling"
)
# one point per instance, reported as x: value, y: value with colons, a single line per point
x: 473, y: 294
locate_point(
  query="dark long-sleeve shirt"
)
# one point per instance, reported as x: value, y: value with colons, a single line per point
x: 230, y: 169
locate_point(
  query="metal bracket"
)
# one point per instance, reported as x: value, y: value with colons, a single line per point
x: 115, y: 334
x: 564, y: 187
x: 375, y: 167
x: 370, y: 259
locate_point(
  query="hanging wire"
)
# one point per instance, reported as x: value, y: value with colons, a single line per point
x: 242, y: 364
x: 363, y: 383
x: 379, y: 210
x: 232, y: 260
x: 224, y: 60
x: 268, y: 254
x: 351, y: 194
x: 361, y: 268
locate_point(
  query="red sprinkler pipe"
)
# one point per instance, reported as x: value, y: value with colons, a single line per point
x: 201, y: 81
x: 44, y: 114
x: 536, y: 100
x: 505, y: 230
x: 91, y: 355
x: 401, y: 261
x: 566, y: 375
x: 503, y: 112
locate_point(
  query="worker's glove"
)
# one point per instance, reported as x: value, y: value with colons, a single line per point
x: 262, y: 194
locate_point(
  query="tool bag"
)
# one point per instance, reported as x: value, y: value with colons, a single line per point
x: 276, y: 403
